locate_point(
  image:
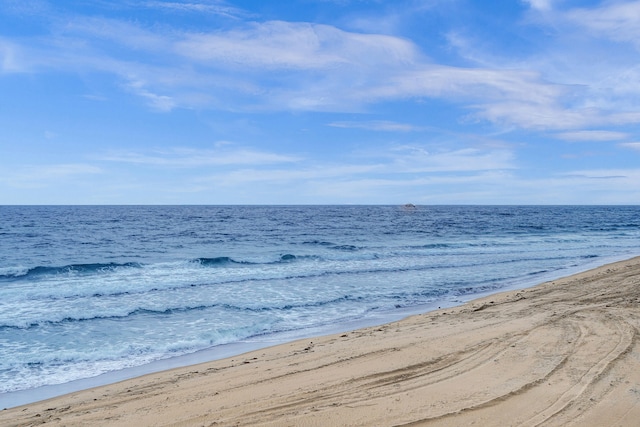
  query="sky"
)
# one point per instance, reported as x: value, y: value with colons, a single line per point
x: 319, y: 102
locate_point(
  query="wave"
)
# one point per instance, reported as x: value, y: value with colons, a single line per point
x: 318, y: 242
x: 169, y: 307
x: 219, y: 261
x: 227, y: 261
x: 348, y: 248
x: 438, y: 246
x: 20, y: 272
x: 168, y: 277
x: 39, y: 272
x: 24, y: 272
x: 168, y: 311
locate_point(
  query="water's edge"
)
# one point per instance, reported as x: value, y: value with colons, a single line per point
x: 24, y: 397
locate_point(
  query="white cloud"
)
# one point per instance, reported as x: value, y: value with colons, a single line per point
x: 402, y: 164
x: 596, y: 76
x: 592, y: 135
x: 26, y: 7
x: 294, y: 45
x: 290, y: 176
x: 354, y: 70
x: 618, y: 20
x: 542, y: 5
x: 437, y: 189
x: 158, y: 102
x: 189, y: 157
x: 47, y: 175
x: 218, y: 8
x: 466, y: 83
x: 377, y: 125
x: 417, y: 159
x: 519, y: 113
x: 274, y: 65
x: 632, y: 145
x: 589, y: 186
x: 11, y: 59
x: 628, y: 177
x: 63, y: 170
x: 295, y: 66
x: 298, y: 66
x: 511, y: 97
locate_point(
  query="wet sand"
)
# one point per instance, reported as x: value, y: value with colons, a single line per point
x: 562, y: 353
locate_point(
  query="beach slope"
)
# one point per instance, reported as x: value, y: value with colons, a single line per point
x: 559, y: 354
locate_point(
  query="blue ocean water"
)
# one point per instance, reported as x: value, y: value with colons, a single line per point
x: 86, y: 290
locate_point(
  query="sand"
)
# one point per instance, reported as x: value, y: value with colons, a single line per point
x: 564, y: 353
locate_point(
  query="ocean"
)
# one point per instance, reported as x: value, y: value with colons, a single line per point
x: 92, y: 291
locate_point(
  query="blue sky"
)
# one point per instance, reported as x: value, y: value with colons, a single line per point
x: 319, y: 102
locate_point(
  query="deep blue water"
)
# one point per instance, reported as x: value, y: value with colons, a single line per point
x: 86, y: 290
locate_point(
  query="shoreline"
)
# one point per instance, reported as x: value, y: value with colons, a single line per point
x: 24, y: 397
x: 401, y: 368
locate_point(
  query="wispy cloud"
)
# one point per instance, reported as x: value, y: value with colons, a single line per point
x: 279, y: 45
x: 299, y: 66
x: 542, y: 5
x: 189, y: 157
x: 592, y: 135
x: 26, y: 7
x: 632, y: 145
x: 158, y: 102
x: 586, y: 93
x: 47, y: 175
x: 418, y: 159
x: 401, y: 164
x: 629, y: 176
x: 12, y: 57
x: 377, y: 125
x: 290, y: 65
x: 617, y: 20
x: 215, y: 7
x: 290, y: 177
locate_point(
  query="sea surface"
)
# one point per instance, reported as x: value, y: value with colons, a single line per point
x: 89, y: 290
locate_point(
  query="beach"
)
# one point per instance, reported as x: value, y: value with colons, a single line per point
x: 561, y: 353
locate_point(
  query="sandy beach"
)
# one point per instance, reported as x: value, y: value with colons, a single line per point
x: 561, y: 353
